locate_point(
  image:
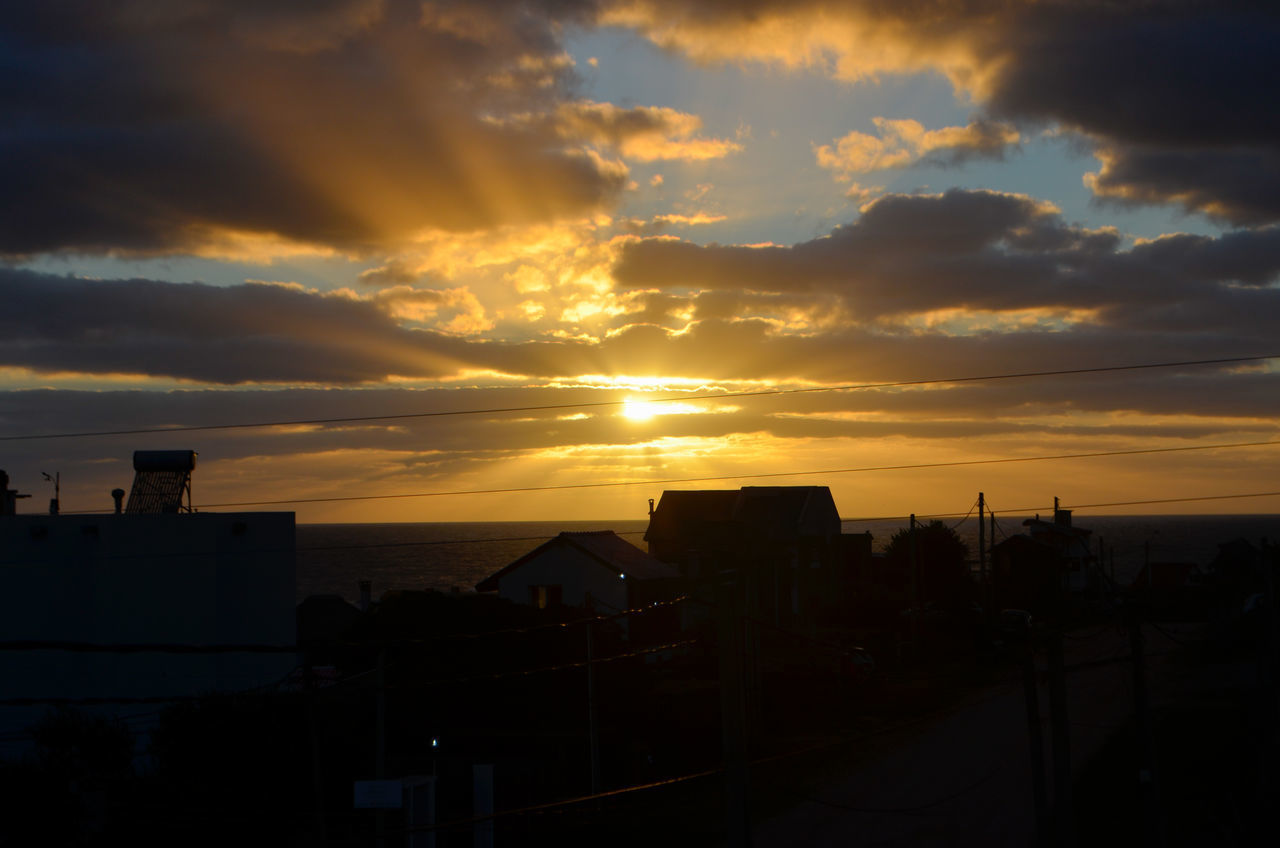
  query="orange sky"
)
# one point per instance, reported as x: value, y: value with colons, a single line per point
x: 263, y: 212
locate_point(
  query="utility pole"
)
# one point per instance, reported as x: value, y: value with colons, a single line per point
x: 1146, y: 738
x: 991, y: 583
x: 915, y: 583
x: 380, y: 741
x: 313, y: 737
x: 982, y: 540
x: 1030, y: 691
x: 592, y: 728
x: 733, y: 715
x: 1063, y: 806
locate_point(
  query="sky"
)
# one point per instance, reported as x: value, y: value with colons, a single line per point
x: 546, y: 216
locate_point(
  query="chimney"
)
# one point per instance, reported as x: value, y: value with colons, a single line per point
x: 1061, y: 517
x: 118, y: 496
x: 366, y: 591
x: 651, y: 507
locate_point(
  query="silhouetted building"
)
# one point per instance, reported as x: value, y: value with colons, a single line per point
x: 1026, y: 573
x: 1043, y: 567
x: 143, y: 578
x: 783, y: 543
x: 594, y: 570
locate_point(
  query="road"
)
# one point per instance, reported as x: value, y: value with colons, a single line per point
x: 965, y: 777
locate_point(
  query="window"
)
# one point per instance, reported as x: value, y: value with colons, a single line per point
x: 543, y: 597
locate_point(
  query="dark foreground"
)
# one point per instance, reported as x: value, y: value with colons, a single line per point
x: 932, y: 747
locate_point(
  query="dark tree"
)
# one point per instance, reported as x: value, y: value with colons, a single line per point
x: 942, y: 555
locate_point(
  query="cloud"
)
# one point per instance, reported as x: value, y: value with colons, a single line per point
x: 394, y: 273
x: 235, y: 334
x: 640, y: 133
x: 904, y: 142
x: 159, y: 127
x: 1236, y: 186
x: 427, y: 306
x: 1173, y: 94
x: 984, y: 251
x: 666, y: 221
x: 974, y: 279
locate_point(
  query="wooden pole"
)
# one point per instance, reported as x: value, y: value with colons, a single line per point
x: 733, y: 716
x: 380, y: 741
x: 915, y: 584
x: 982, y: 540
x: 1147, y: 784
x: 592, y: 727
x: 313, y: 738
x: 1035, y: 736
x: 1063, y: 805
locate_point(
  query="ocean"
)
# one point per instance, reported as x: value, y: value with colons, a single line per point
x: 333, y: 558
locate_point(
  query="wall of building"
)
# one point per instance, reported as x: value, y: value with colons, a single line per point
x: 571, y: 569
x: 200, y: 578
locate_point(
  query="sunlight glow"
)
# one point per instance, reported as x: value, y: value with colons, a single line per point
x: 641, y: 410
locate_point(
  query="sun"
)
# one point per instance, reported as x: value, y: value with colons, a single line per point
x: 639, y: 410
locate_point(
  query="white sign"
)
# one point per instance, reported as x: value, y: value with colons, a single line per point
x: 379, y: 795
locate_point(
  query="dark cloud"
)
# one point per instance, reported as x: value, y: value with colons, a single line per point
x: 984, y: 250
x: 1175, y: 93
x: 1237, y: 185
x: 168, y: 126
x: 834, y: 309
x: 237, y: 334
x: 1172, y: 93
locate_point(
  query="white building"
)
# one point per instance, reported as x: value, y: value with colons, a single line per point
x: 592, y: 569
x: 139, y: 578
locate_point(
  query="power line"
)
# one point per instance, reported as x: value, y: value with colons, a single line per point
x: 1177, y: 500
x: 431, y: 684
x: 142, y: 647
x: 616, y: 403
x: 758, y: 476
x: 966, y: 516
x: 1030, y: 510
x: 1026, y: 510
x: 255, y: 648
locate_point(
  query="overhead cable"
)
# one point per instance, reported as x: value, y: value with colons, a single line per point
x: 616, y: 403
x: 757, y: 476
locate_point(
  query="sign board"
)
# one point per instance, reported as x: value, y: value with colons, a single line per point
x: 378, y: 795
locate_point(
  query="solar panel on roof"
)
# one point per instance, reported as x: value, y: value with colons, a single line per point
x: 160, y: 480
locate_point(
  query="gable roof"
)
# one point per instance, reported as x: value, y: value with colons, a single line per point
x: 603, y: 546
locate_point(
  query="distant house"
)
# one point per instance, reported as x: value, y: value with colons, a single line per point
x: 783, y: 541
x: 1025, y: 574
x: 703, y: 532
x: 1033, y: 570
x: 594, y: 570
x: 1071, y: 545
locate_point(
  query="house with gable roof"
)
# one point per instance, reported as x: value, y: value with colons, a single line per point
x: 594, y: 570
